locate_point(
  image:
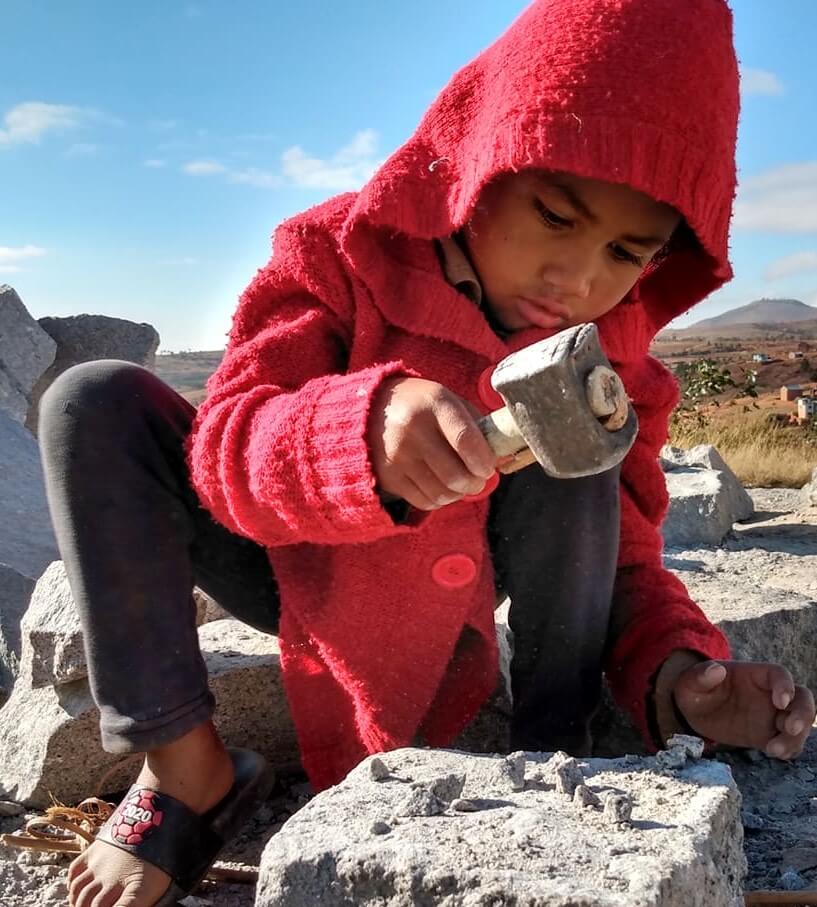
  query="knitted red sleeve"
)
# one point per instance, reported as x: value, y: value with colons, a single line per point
x: 653, y: 614
x: 278, y: 449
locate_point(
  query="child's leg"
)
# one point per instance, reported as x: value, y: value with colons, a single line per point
x: 134, y: 540
x: 555, y: 547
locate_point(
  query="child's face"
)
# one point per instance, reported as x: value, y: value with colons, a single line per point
x: 554, y: 250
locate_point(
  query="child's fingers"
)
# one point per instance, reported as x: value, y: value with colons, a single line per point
x: 794, y: 726
x: 405, y: 488
x: 435, y: 493
x: 460, y: 430
x: 450, y: 471
x: 801, y: 713
x: 781, y: 685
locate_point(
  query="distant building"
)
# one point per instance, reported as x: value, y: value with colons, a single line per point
x: 795, y: 354
x: 806, y: 408
x: 761, y: 357
x: 790, y: 392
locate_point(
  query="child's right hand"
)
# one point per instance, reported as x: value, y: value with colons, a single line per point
x: 425, y: 444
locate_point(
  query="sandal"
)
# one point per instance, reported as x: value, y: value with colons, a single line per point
x: 161, y: 830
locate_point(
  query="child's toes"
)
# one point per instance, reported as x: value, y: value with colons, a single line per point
x: 88, y: 894
x: 76, y: 885
x: 77, y: 867
x: 110, y: 897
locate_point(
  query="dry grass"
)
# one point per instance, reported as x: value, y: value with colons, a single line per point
x: 759, y: 453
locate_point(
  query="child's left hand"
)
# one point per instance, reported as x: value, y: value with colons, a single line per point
x: 746, y: 704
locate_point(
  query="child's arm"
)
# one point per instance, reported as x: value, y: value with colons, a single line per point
x: 278, y: 450
x: 290, y: 447
x: 662, y: 645
x: 653, y: 615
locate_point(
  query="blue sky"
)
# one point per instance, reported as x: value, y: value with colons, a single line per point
x: 148, y: 150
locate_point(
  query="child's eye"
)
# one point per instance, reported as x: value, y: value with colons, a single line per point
x: 550, y: 218
x: 621, y: 254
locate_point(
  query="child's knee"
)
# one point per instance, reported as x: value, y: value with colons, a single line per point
x: 91, y: 392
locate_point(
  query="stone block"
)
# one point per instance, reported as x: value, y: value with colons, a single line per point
x: 27, y: 542
x: 706, y: 497
x: 52, y: 649
x: 49, y: 736
x: 15, y: 593
x: 681, y: 845
x: 26, y: 351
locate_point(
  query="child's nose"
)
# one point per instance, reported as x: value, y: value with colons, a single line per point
x: 570, y: 277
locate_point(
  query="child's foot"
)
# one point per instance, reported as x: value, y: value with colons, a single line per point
x: 196, y: 770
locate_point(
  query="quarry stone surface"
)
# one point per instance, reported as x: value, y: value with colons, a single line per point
x: 681, y: 846
x: 15, y: 593
x: 52, y: 636
x: 760, y: 586
x: 706, y: 497
x: 809, y: 494
x: 49, y: 738
x: 27, y: 542
x: 26, y: 351
x: 703, y: 505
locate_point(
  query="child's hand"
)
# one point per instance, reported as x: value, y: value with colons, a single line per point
x: 425, y: 444
x: 746, y: 704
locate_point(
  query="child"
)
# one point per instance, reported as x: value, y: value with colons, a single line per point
x: 580, y: 169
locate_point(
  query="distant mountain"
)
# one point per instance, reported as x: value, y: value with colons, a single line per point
x: 761, y: 311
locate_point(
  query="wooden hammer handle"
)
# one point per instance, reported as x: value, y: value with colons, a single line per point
x: 505, y: 441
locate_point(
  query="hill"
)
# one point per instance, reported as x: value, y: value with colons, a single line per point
x: 759, y: 312
x: 769, y: 331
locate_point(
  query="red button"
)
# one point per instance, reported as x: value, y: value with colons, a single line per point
x: 489, y: 486
x: 486, y: 390
x: 453, y: 571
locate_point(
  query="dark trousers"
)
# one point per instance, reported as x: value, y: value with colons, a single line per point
x: 135, y: 540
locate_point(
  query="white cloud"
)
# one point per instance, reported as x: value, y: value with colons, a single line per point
x: 28, y: 122
x: 203, y: 168
x: 760, y: 82
x: 252, y: 176
x: 348, y: 168
x: 780, y: 200
x: 155, y: 163
x: 10, y: 256
x: 9, y: 253
x: 791, y: 264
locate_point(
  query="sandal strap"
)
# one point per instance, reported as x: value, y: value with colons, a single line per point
x: 161, y: 830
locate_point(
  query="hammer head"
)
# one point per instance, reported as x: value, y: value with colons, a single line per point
x: 543, y: 386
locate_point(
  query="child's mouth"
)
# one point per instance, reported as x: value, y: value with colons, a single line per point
x: 544, y: 312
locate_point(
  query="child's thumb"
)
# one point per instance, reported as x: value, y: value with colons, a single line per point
x: 706, y: 676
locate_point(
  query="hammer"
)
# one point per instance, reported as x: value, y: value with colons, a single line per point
x: 565, y: 407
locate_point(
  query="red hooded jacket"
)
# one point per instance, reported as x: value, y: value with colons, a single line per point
x: 641, y: 92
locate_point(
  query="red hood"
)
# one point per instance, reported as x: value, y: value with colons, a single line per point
x: 640, y: 92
